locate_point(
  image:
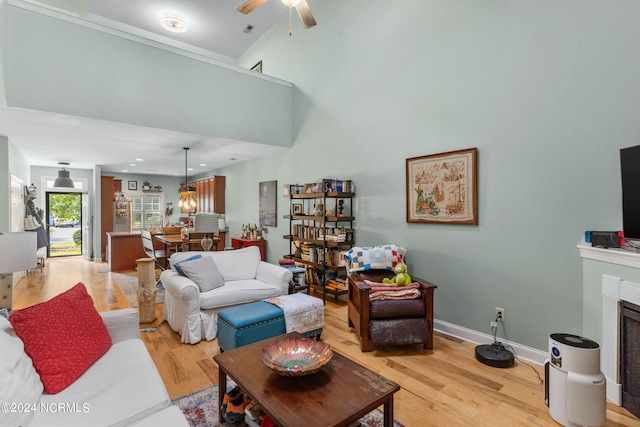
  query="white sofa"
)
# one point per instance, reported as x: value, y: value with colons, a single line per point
x: 194, y: 314
x: 122, y: 388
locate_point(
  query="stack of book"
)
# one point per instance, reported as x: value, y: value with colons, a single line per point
x: 337, y: 284
x: 308, y: 252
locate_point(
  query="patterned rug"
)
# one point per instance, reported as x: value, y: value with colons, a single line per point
x: 128, y: 282
x: 200, y: 409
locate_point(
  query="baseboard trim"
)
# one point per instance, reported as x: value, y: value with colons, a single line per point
x: 523, y: 352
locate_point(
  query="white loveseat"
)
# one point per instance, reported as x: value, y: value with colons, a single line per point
x: 194, y: 314
x: 122, y: 388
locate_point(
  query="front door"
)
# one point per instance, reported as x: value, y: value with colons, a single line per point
x: 64, y: 219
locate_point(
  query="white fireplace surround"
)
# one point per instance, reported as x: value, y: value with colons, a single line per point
x: 614, y: 290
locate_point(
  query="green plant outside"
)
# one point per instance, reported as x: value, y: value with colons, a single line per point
x: 66, y: 207
x: 64, y: 249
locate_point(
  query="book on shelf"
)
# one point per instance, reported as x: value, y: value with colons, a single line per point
x: 327, y: 185
x: 336, y: 185
x: 336, y: 284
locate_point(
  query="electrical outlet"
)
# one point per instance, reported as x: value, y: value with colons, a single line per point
x: 500, y: 316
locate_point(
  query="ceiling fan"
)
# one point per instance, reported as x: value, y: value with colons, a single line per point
x: 301, y: 7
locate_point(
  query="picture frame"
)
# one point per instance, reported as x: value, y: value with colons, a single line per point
x: 296, y: 208
x: 133, y: 185
x: 258, y: 67
x: 267, y: 204
x: 443, y: 188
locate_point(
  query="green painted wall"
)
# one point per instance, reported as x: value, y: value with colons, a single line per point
x: 104, y: 74
x: 547, y: 91
x: 3, y: 51
x: 12, y: 162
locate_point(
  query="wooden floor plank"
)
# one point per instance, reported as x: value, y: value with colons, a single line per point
x: 445, y: 386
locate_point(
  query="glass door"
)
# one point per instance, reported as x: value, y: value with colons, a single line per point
x: 64, y: 219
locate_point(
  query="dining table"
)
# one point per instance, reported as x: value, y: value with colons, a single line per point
x: 173, y: 242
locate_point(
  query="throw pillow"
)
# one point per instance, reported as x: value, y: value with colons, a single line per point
x: 21, y: 384
x: 176, y: 265
x: 204, y: 273
x: 63, y: 336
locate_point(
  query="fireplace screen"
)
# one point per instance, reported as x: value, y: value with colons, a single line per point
x: 630, y: 357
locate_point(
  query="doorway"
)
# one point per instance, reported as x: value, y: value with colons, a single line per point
x: 64, y: 219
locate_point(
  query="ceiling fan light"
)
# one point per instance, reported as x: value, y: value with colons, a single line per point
x: 290, y: 3
x: 173, y: 24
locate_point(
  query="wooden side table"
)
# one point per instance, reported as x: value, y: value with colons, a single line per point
x: 243, y: 243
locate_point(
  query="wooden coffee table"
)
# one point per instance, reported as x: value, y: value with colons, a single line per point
x: 338, y: 395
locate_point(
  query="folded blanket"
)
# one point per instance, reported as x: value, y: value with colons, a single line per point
x: 302, y: 313
x: 380, y: 291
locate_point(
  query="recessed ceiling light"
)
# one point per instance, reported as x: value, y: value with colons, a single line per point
x: 124, y: 171
x: 203, y: 164
x: 190, y: 169
x: 139, y: 160
x: 173, y: 24
x: 132, y: 164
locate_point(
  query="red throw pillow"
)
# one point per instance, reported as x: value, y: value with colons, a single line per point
x: 63, y: 336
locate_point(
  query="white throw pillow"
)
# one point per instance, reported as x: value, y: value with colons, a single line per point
x: 204, y: 273
x: 20, y: 385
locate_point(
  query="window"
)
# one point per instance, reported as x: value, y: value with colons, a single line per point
x: 147, y: 210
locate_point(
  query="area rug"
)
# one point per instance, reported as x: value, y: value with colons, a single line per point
x: 128, y: 282
x: 200, y: 409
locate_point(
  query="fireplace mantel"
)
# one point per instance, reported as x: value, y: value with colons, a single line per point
x: 612, y: 256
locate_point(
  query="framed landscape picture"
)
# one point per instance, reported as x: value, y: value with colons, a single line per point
x: 443, y: 188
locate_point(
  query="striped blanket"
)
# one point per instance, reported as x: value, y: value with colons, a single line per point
x: 380, y: 291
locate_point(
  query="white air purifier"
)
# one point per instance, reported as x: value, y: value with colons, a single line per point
x: 575, y: 389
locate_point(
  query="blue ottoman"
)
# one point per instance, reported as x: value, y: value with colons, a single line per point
x: 249, y: 323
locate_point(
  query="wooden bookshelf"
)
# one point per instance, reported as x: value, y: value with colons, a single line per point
x: 321, y: 226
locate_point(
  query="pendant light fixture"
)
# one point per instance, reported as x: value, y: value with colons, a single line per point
x: 188, y: 201
x: 63, y: 180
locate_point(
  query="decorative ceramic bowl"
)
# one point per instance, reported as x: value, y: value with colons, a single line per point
x: 296, y: 357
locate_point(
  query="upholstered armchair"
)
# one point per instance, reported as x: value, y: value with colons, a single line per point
x: 390, y: 321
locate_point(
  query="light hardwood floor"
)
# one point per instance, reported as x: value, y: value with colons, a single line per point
x: 441, y: 387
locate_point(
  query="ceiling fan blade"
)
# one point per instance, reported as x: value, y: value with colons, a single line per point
x: 251, y: 5
x: 305, y: 14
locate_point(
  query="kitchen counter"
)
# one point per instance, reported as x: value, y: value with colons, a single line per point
x: 123, y: 249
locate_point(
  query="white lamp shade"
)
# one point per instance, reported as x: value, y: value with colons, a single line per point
x: 18, y: 252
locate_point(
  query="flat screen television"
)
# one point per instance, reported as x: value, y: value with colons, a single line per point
x: 630, y: 171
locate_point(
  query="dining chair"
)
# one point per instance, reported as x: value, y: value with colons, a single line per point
x: 158, y: 254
